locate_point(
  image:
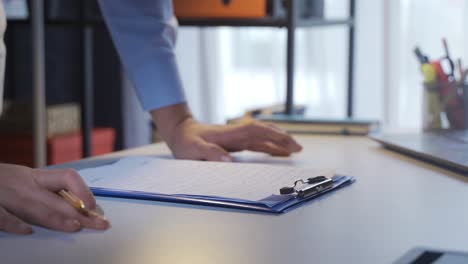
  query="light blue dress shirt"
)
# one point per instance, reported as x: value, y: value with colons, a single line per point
x: 144, y: 35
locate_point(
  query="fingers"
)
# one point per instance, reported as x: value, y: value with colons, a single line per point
x: 12, y: 224
x: 94, y: 221
x: 274, y: 134
x: 33, y: 198
x: 213, y: 152
x: 40, y: 213
x: 47, y: 209
x: 244, y: 136
x: 270, y: 148
x: 56, y: 180
x: 255, y: 136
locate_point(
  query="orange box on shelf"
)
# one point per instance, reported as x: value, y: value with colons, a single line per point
x: 18, y: 149
x: 220, y: 8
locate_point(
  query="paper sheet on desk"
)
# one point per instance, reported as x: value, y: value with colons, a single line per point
x: 250, y: 182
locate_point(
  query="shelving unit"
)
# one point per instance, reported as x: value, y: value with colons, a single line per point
x: 261, y: 22
x: 39, y: 96
x: 38, y: 21
x: 290, y: 22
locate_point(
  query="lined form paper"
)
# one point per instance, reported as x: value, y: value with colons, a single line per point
x: 245, y: 181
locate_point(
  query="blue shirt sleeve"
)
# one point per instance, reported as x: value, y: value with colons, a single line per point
x: 145, y: 37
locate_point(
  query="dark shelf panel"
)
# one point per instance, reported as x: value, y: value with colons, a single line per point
x: 257, y: 22
x: 261, y: 22
x: 231, y: 22
x: 57, y: 22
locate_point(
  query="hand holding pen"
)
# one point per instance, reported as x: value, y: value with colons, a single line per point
x: 38, y: 197
x: 79, y: 205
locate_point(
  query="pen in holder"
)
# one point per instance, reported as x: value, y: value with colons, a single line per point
x: 465, y: 103
x: 445, y: 105
x: 432, y: 107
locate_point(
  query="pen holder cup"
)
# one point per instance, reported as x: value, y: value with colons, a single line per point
x: 445, y: 106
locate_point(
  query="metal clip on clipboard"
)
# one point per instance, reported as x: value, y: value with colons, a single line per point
x: 310, y: 186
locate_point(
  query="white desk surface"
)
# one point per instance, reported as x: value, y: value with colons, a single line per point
x: 396, y: 203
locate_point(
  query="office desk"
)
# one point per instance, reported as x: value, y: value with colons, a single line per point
x: 396, y: 203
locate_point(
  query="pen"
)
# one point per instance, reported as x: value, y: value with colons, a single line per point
x: 420, y: 56
x: 444, y: 43
x: 429, y: 72
x: 452, y: 104
x: 460, y: 70
x: 440, y: 72
x: 464, y: 79
x: 447, y: 57
x: 77, y: 203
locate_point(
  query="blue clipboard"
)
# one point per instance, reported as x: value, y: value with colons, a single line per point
x: 275, y: 204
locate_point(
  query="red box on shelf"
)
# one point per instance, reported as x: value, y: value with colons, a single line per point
x: 220, y: 9
x: 18, y: 149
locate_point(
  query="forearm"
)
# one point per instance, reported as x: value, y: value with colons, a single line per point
x: 167, y: 120
x: 145, y: 35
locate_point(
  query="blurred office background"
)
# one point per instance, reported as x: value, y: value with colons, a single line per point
x: 242, y: 68
x: 227, y: 70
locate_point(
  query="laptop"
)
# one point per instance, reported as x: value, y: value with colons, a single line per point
x: 448, y: 149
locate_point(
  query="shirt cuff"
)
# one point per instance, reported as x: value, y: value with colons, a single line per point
x: 158, y: 83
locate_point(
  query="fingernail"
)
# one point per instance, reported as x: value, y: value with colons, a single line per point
x: 295, y: 147
x: 226, y: 158
x: 25, y: 229
x: 100, y: 220
x: 102, y: 224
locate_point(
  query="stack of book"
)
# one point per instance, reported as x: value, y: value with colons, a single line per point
x: 299, y: 123
x: 63, y: 135
x: 17, y: 119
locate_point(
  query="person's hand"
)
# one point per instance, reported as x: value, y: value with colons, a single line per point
x: 29, y: 196
x: 192, y: 140
x: 189, y: 139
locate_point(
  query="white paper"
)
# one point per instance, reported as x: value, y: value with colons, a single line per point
x: 251, y: 182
